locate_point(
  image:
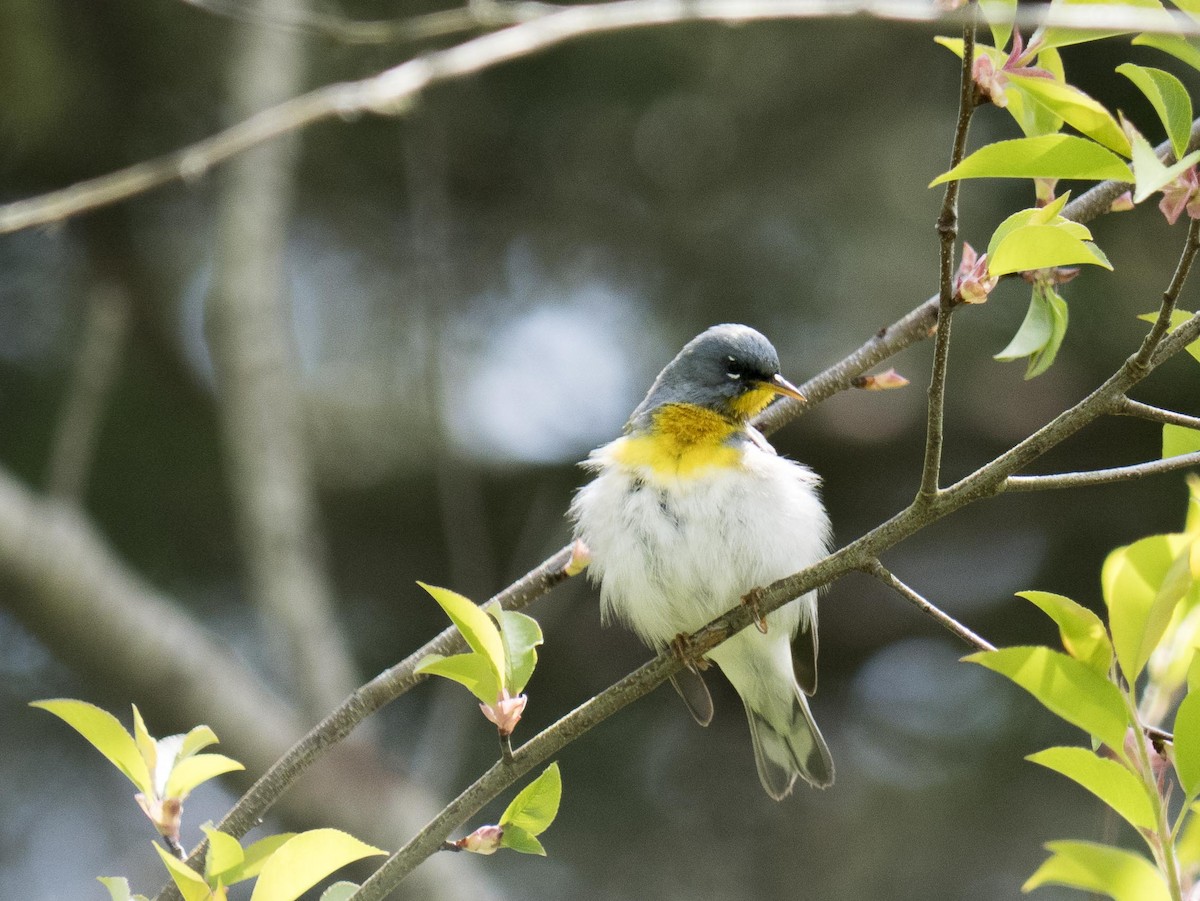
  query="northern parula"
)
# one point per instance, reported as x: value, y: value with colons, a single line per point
x: 690, y: 511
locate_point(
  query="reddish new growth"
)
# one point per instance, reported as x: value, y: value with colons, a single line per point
x: 972, y: 284
x: 506, y: 712
x: 993, y: 82
x: 1181, y: 194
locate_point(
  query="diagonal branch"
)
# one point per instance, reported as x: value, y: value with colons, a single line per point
x: 883, y: 574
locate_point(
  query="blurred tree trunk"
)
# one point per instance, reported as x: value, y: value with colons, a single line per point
x: 251, y: 341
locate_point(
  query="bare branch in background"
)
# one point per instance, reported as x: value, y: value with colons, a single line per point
x: 248, y: 324
x: 104, y: 330
x: 477, y: 15
x: 393, y: 91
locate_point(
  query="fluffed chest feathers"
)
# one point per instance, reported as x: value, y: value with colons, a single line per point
x: 671, y: 553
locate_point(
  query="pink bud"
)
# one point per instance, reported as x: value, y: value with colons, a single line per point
x: 166, y: 815
x: 990, y: 81
x: 881, y: 381
x: 580, y: 558
x: 484, y: 840
x: 1122, y: 204
x: 972, y: 284
x: 506, y: 712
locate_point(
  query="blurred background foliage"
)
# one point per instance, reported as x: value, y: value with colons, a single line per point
x: 479, y: 293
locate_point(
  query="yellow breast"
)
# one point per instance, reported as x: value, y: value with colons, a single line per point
x: 682, y: 441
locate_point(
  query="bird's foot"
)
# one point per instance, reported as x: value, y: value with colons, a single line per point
x: 751, y: 599
x: 681, y: 646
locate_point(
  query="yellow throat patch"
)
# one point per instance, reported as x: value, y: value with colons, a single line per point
x: 683, y: 440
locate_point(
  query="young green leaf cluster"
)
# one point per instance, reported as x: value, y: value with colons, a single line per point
x: 164, y: 771
x: 286, y: 866
x: 1030, y: 83
x: 501, y: 660
x: 1115, y: 683
x: 528, y: 815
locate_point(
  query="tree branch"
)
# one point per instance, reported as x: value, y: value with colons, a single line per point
x: 393, y: 91
x: 883, y: 574
x: 947, y: 227
x: 1127, y: 407
x: 1101, y: 476
x: 1162, y: 322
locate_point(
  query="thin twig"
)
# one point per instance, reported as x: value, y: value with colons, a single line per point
x: 947, y: 227
x: 1162, y: 322
x: 393, y: 91
x: 1101, y: 476
x: 1127, y: 407
x: 883, y: 574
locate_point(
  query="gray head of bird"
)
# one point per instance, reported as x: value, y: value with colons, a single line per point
x: 730, y: 369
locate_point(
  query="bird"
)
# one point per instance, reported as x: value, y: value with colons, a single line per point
x: 690, y: 511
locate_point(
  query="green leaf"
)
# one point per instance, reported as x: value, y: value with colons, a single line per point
x: 224, y: 855
x: 255, y: 857
x: 197, y: 738
x: 339, y: 891
x: 1063, y: 37
x: 471, y: 670
x: 146, y: 744
x: 1044, y: 358
x: 999, y: 15
x: 1077, y: 109
x: 521, y: 635
x: 1187, y: 847
x: 1150, y: 174
x: 518, y: 839
x: 190, y: 883
x: 1082, y: 631
x: 1169, y: 98
x: 1187, y: 744
x: 306, y: 859
x: 1178, y: 318
x: 1041, y: 333
x: 1178, y: 440
x: 475, y: 625
x: 1141, y: 597
x: 196, y: 770
x: 1046, y: 215
x: 1066, y: 687
x: 1108, y: 780
x: 536, y: 806
x: 118, y: 888
x: 1119, y: 874
x: 1187, y: 50
x: 1034, y: 333
x: 1045, y: 156
x: 1032, y: 247
x: 107, y: 735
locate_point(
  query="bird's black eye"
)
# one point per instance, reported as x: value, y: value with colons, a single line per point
x: 734, y: 368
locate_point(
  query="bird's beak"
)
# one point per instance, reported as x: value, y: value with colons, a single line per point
x: 780, y: 385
